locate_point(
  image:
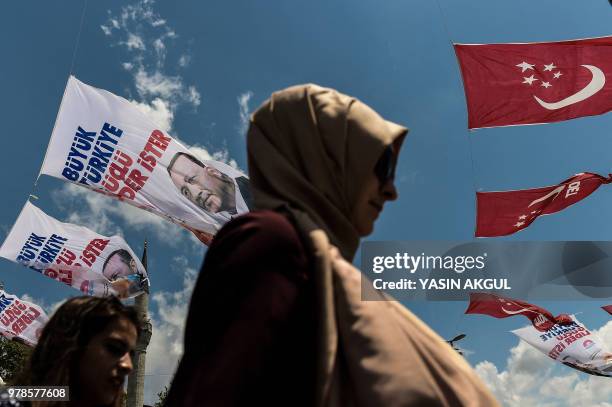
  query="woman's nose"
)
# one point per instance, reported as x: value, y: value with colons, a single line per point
x: 389, y: 191
x: 125, y: 363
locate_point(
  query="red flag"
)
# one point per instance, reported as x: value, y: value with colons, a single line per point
x: 607, y: 308
x: 502, y: 307
x: 540, y: 82
x: 507, y: 212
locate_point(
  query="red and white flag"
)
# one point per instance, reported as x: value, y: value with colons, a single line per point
x: 502, y: 307
x: 607, y: 308
x: 105, y: 143
x: 571, y: 344
x: 21, y: 320
x: 540, y: 82
x: 504, y: 213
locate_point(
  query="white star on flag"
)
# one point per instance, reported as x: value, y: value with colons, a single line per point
x: 525, y: 66
x: 519, y: 224
x: 529, y: 80
x: 549, y: 67
x: 546, y: 84
x: 557, y: 74
x: 522, y: 217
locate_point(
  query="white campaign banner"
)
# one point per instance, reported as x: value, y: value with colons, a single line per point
x: 74, y: 255
x: 103, y: 142
x: 573, y: 345
x: 20, y: 320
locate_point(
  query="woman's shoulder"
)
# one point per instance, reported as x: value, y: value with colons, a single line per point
x: 262, y: 218
x: 264, y: 225
x: 260, y: 236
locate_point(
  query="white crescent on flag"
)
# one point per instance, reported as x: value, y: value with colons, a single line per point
x: 519, y: 311
x: 555, y: 192
x: 597, y: 83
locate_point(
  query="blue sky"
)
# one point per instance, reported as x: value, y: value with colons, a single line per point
x: 200, y: 67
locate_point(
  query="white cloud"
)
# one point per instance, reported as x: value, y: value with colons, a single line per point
x: 134, y: 42
x: 103, y: 215
x: 184, y: 60
x: 140, y: 11
x: 221, y: 155
x: 169, y: 88
x: 112, y: 24
x: 106, y: 30
x: 533, y: 379
x: 37, y: 301
x: 158, y: 111
x: 93, y: 214
x: 201, y: 152
x: 156, y: 84
x: 160, y: 49
x: 145, y: 36
x: 48, y: 308
x: 193, y: 96
x: 243, y: 104
x: 605, y: 333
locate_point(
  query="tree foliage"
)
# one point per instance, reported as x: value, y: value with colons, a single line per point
x: 13, y: 356
x: 162, y: 397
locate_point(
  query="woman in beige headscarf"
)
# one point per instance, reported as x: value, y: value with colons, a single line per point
x: 276, y: 316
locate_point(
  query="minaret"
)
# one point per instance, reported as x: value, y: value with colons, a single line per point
x: 135, y: 390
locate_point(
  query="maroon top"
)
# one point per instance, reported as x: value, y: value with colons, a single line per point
x: 250, y: 331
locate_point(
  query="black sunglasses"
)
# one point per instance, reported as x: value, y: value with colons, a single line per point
x: 385, y: 166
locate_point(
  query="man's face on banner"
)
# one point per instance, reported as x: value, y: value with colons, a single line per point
x: 117, y: 266
x: 205, y: 186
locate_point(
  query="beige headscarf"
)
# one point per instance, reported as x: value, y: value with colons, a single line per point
x: 310, y: 149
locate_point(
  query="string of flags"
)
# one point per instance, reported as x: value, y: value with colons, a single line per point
x: 74, y: 255
x: 562, y: 338
x: 507, y: 212
x: 20, y: 320
x: 502, y: 307
x: 534, y: 83
x: 104, y: 143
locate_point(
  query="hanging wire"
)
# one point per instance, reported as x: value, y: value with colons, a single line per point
x: 74, y: 55
x: 471, y: 148
x: 444, y: 22
x: 473, y: 175
x: 459, y: 318
x: 78, y: 38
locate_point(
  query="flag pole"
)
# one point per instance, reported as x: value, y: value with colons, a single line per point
x: 135, y: 389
